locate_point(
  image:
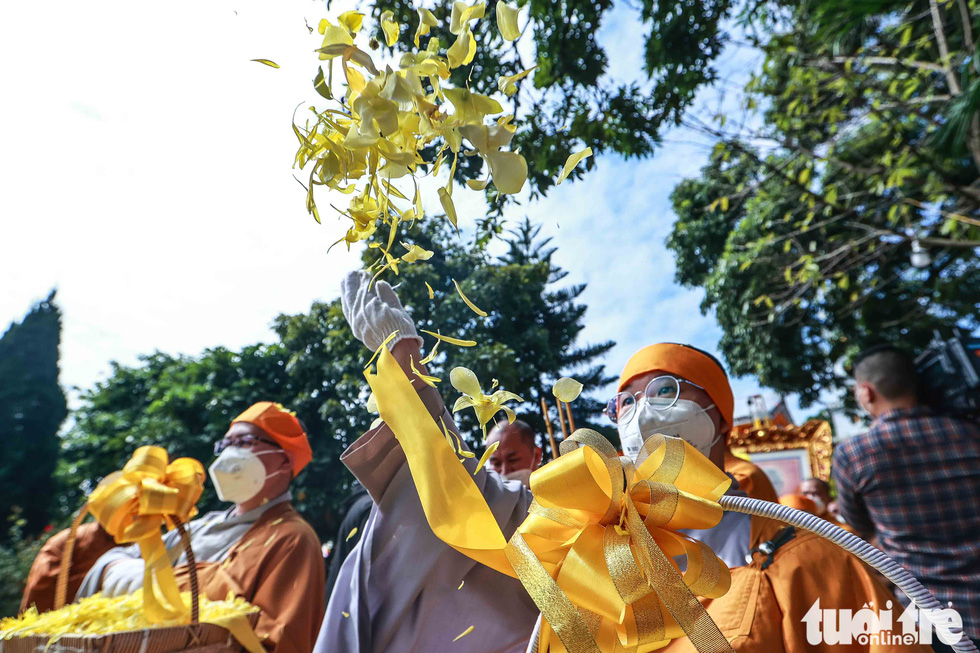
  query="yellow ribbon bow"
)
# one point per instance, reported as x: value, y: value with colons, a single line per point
x: 596, y: 550
x: 134, y: 504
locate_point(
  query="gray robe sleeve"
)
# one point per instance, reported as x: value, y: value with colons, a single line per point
x: 92, y: 583
x: 399, y: 589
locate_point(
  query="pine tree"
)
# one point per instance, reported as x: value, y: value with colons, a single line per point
x: 32, y: 408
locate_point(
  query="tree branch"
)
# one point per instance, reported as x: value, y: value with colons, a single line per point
x: 937, y: 26
x: 967, y: 27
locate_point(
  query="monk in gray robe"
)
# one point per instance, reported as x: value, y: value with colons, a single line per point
x: 401, y: 588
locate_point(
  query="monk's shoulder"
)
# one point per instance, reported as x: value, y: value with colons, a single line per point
x: 288, y: 528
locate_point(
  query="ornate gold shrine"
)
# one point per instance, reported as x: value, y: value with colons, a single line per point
x: 765, y: 443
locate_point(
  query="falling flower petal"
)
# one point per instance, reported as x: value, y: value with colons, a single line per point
x: 572, y: 161
x: 351, y: 534
x: 346, y: 614
x: 466, y: 300
x: 567, y: 389
x: 415, y: 253
x: 464, y: 633
x: 426, y: 21
x: 463, y: 13
x: 352, y: 21
x: 485, y: 457
x: 507, y: 21
x: 383, y: 345
x: 428, y: 380
x: 463, y: 50
x: 508, y: 84
x: 432, y: 354
x: 432, y: 294
x: 447, y: 205
x: 389, y: 27
x: 460, y: 585
x: 271, y: 64
x: 451, y: 340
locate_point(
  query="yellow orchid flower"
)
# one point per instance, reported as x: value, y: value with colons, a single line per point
x: 486, y: 407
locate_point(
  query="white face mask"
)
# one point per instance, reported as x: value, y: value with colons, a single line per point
x: 685, y: 419
x: 238, y: 474
x: 522, y: 475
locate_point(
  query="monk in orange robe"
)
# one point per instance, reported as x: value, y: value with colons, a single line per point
x: 751, y: 479
x: 91, y: 541
x: 806, y: 504
x: 681, y: 391
x: 260, y: 549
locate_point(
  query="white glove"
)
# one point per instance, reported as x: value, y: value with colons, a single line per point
x: 374, y: 312
x: 122, y: 577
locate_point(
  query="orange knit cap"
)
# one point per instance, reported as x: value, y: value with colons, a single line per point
x: 282, y: 426
x: 688, y: 363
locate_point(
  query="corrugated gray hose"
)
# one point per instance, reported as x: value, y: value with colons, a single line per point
x: 894, y: 572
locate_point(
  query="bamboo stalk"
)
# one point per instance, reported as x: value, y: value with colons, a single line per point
x: 547, y: 424
x: 571, y: 422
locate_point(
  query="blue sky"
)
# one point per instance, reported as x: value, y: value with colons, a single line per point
x: 148, y: 163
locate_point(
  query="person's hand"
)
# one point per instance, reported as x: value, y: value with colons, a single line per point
x: 122, y: 577
x: 374, y: 312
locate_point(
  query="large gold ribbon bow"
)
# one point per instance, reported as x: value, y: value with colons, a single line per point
x: 134, y: 504
x: 596, y: 553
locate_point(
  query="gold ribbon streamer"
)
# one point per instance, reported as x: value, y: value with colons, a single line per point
x: 134, y: 504
x: 596, y: 550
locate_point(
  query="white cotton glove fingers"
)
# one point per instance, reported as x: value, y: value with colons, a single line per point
x: 351, y: 289
x: 389, y: 296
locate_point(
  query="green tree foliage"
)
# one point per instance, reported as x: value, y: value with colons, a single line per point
x: 315, y: 367
x: 865, y: 142
x: 32, y: 408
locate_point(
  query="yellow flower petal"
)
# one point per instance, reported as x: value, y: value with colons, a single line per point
x: 463, y: 13
x: 509, y: 171
x: 271, y: 64
x: 485, y: 457
x: 352, y: 21
x: 464, y: 634
x: 427, y: 20
x: 507, y: 21
x: 415, y: 253
x: 451, y: 340
x: 460, y: 585
x: 464, y: 380
x: 351, y: 534
x: 432, y: 354
x: 567, y: 389
x: 508, y: 84
x: 432, y: 294
x: 372, y: 404
x: 389, y: 27
x: 346, y: 614
x: 466, y: 300
x: 428, y: 380
x: 572, y: 161
x: 384, y: 344
x: 447, y: 204
x: 463, y: 50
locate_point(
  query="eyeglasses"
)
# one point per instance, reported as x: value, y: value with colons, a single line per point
x: 660, y: 394
x: 247, y: 441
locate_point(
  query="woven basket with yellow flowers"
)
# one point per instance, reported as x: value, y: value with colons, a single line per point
x: 133, y: 505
